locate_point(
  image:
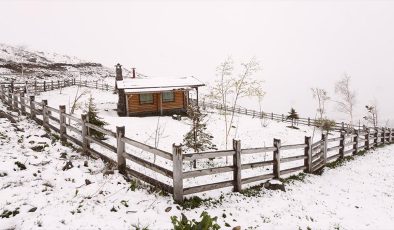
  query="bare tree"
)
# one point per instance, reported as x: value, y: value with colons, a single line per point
x: 372, y: 114
x: 258, y: 91
x: 322, y: 97
x: 347, y: 96
x: 229, y: 89
x: 244, y: 85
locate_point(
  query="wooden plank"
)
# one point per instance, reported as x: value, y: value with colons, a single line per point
x: 258, y: 150
x: 54, y: 118
x: 147, y: 148
x: 293, y: 158
x: 101, y: 130
x: 149, y: 165
x: 73, y: 139
x: 257, y: 164
x: 292, y: 170
x: 208, y: 187
x: 53, y: 110
x: 149, y: 180
x: 297, y: 146
x: 334, y: 139
x: 54, y: 128
x: 257, y: 178
x: 348, y: 151
x: 102, y: 144
x: 210, y: 171
x: 205, y: 155
x: 334, y: 148
x: 350, y: 143
x: 318, y: 165
x: 333, y: 157
x: 72, y: 118
x: 79, y: 132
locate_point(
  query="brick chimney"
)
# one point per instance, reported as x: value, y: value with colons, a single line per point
x: 119, y: 75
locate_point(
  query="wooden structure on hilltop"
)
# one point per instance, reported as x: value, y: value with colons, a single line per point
x: 153, y: 96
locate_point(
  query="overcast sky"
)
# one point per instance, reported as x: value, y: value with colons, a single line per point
x: 300, y: 44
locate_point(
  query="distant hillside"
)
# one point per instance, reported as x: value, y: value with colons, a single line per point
x: 47, y: 66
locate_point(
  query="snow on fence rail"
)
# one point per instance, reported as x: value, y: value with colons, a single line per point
x: 170, y: 173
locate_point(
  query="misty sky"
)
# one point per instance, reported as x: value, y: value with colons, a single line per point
x: 300, y: 44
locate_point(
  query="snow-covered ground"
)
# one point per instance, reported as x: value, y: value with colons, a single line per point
x: 253, y: 132
x: 358, y: 195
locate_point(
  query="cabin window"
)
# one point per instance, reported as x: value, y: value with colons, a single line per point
x: 146, y: 98
x: 168, y: 97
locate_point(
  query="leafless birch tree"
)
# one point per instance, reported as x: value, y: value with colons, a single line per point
x: 322, y: 97
x: 347, y: 97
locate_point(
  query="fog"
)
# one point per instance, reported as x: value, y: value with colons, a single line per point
x: 300, y: 44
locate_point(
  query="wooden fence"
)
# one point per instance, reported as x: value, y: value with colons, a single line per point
x: 276, y: 117
x: 245, y: 166
x: 77, y: 131
x: 43, y: 86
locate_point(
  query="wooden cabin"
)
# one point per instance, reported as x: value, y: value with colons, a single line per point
x: 154, y: 96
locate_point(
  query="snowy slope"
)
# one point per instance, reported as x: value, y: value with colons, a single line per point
x: 44, y: 66
x: 358, y: 195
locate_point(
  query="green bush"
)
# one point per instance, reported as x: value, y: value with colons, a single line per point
x: 206, y: 223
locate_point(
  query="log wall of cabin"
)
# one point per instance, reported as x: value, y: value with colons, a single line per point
x: 134, y: 106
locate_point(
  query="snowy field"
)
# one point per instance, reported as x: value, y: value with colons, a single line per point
x: 358, y: 195
x: 252, y: 132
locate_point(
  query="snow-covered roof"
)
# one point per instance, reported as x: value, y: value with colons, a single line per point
x: 158, y: 84
x: 152, y: 90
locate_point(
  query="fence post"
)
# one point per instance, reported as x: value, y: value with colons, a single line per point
x: 324, y: 147
x: 10, y: 101
x: 2, y: 94
x: 15, y: 98
x: 342, y: 144
x: 45, y: 119
x: 355, y: 140
x: 62, y: 119
x: 276, y: 158
x: 96, y: 84
x: 35, y: 86
x: 32, y: 108
x: 390, y: 138
x: 85, y: 141
x: 383, y: 135
x: 283, y: 117
x: 51, y: 84
x: 309, y: 121
x: 367, y: 134
x: 120, y: 132
x: 237, y: 166
x: 12, y: 86
x: 23, y: 107
x: 343, y: 126
x: 272, y: 116
x: 45, y: 86
x: 177, y: 172
x: 376, y: 136
x: 308, y: 155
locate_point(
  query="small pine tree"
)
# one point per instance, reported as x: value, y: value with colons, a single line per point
x: 92, y: 114
x: 293, y: 115
x: 197, y: 139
